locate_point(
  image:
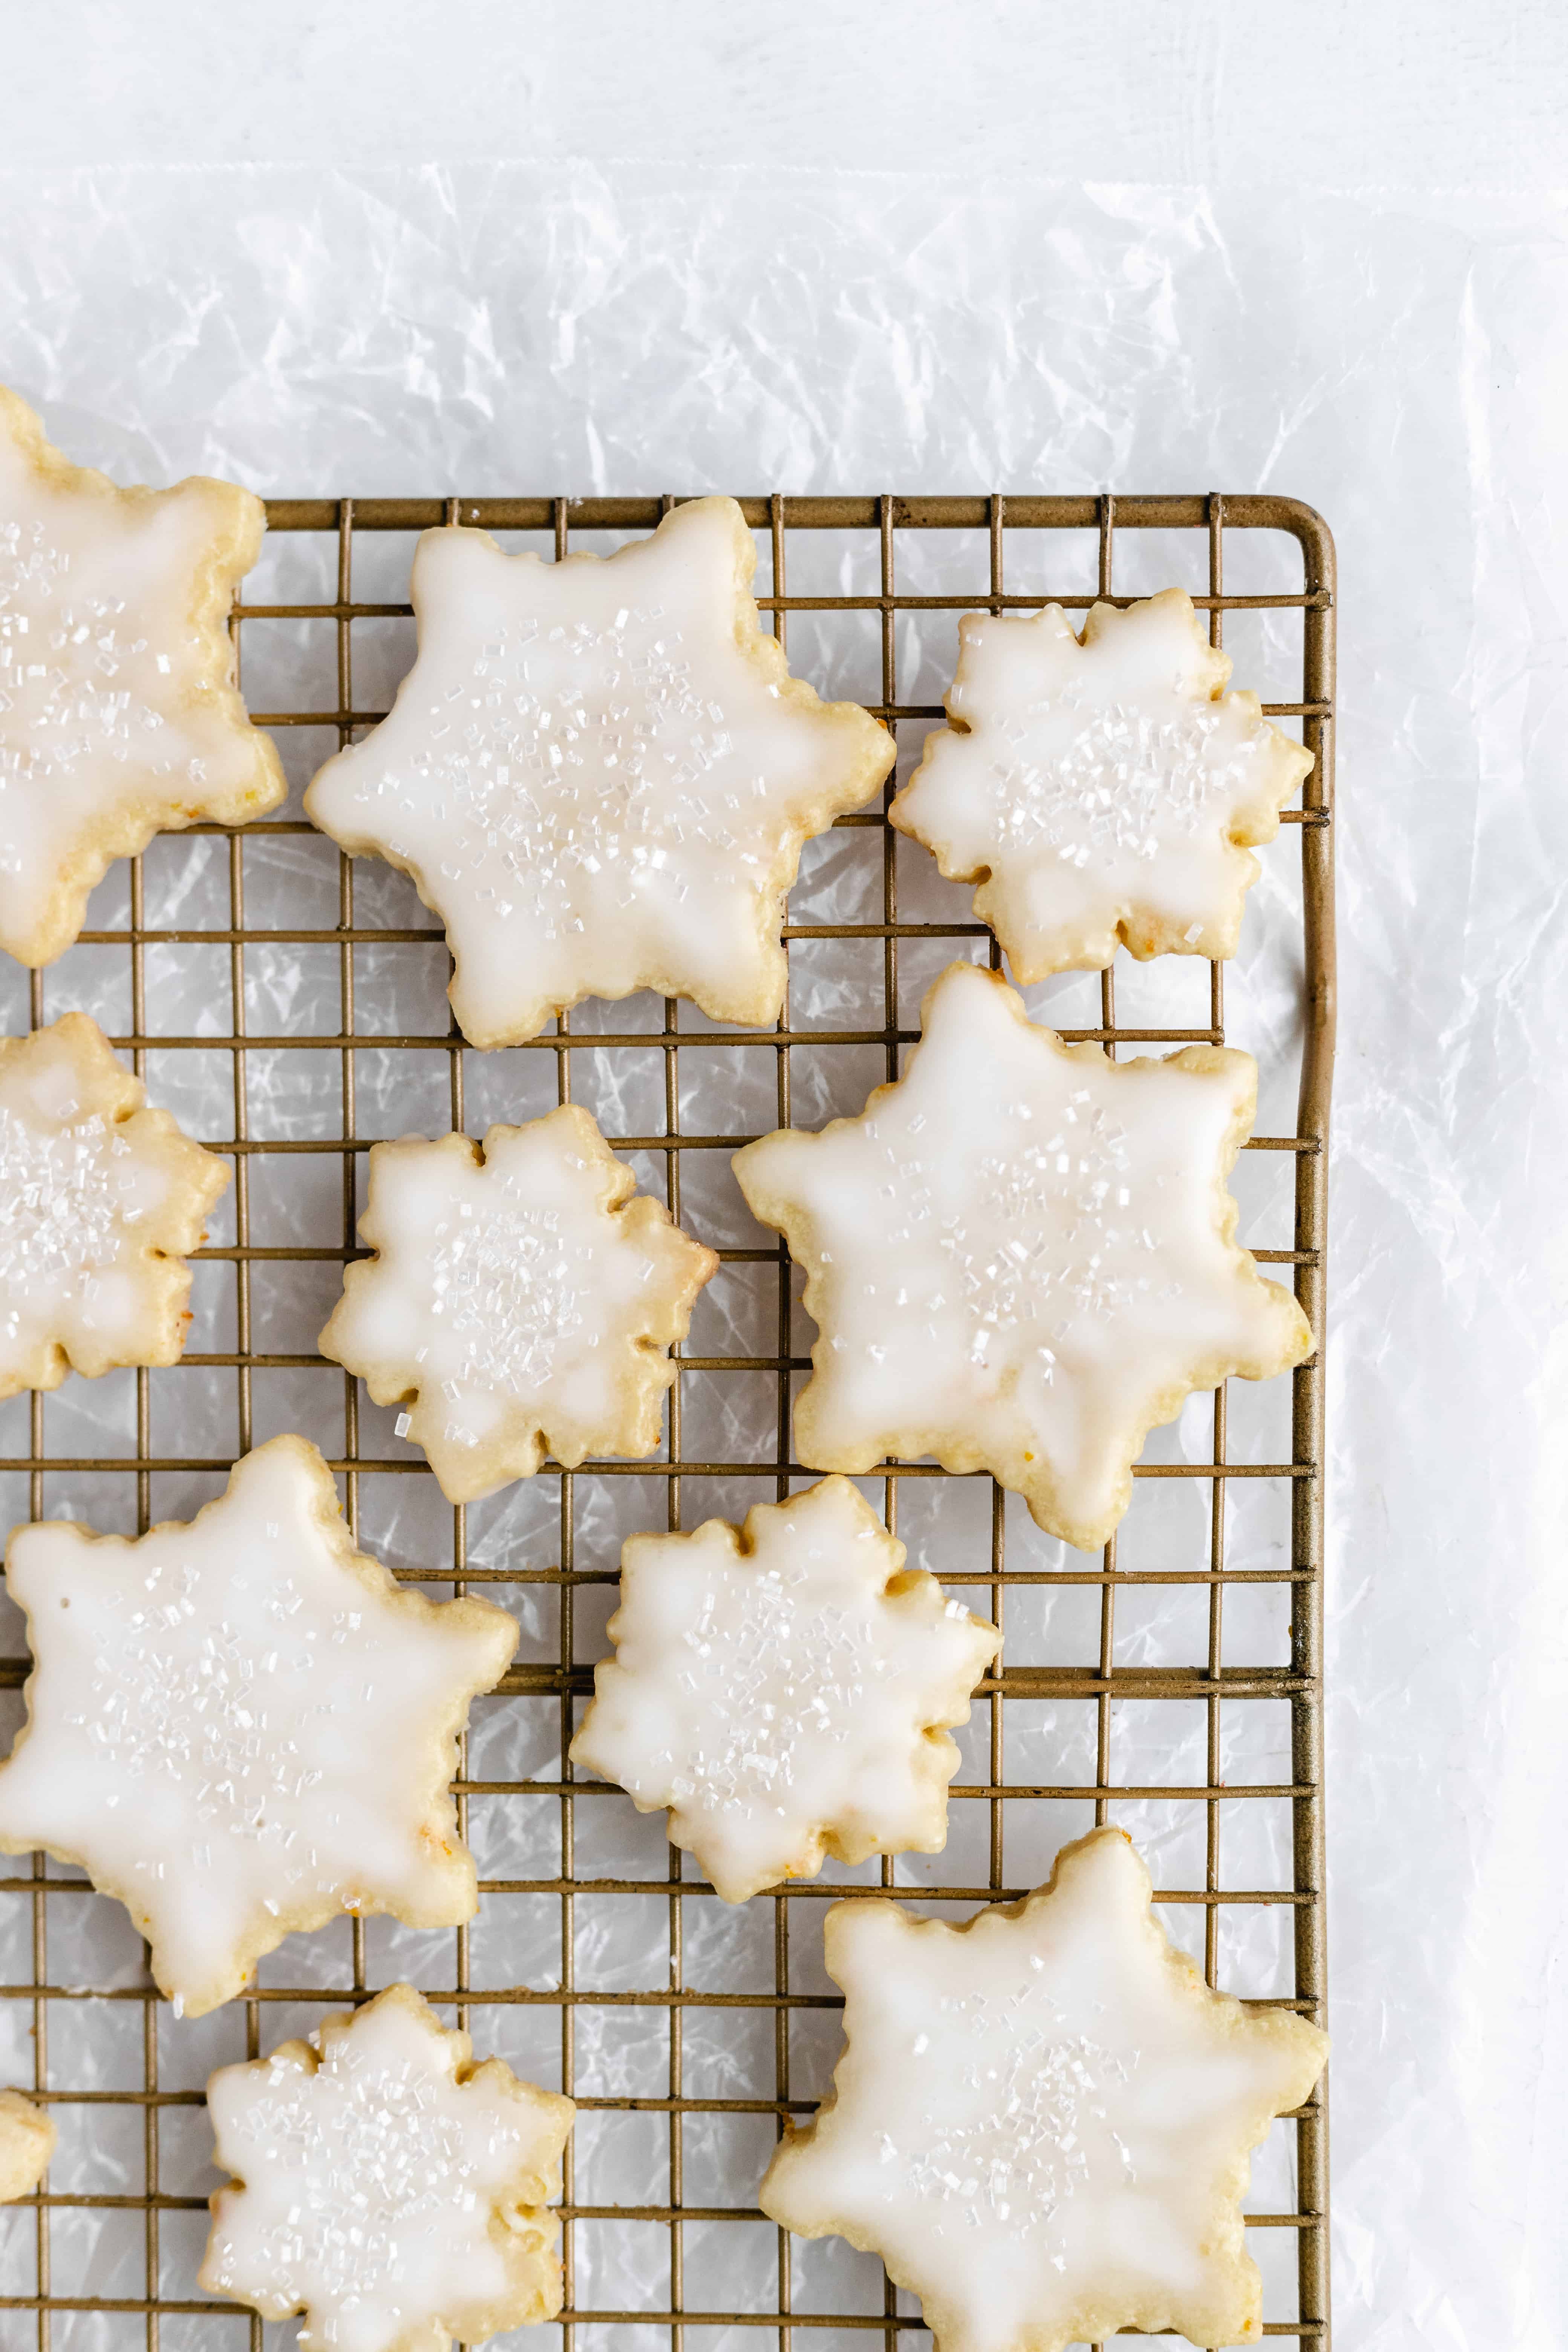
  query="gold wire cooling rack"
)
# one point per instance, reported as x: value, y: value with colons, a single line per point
x: 107, y: 2255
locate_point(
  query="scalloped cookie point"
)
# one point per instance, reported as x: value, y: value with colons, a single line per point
x: 600, y: 774
x: 100, y: 1198
x: 785, y: 1689
x: 519, y: 1300
x: 119, y: 713
x: 27, y: 2140
x: 240, y: 1726
x: 1042, y: 2121
x: 1020, y: 1256
x: 1101, y: 791
x: 386, y: 2186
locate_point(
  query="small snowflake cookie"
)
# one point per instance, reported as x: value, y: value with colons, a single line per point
x: 1101, y: 789
x: 27, y: 2138
x: 241, y: 1727
x: 1042, y: 2120
x: 520, y: 1301
x: 600, y: 774
x: 99, y: 1200
x: 386, y: 2186
x: 785, y: 1689
x: 119, y: 714
x: 1020, y: 1256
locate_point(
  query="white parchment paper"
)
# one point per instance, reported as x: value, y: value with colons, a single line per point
x: 1401, y: 364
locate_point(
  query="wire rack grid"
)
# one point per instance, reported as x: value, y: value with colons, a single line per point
x: 560, y: 2011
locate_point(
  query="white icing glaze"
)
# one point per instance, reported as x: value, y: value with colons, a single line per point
x: 1100, y: 783
x: 116, y: 711
x: 1042, y: 2121
x: 73, y: 1191
x: 515, y: 1296
x: 600, y: 774
x: 240, y: 1726
x: 780, y: 1694
x: 393, y: 2192
x: 27, y: 2138
x: 91, y: 1185
x: 1019, y: 1256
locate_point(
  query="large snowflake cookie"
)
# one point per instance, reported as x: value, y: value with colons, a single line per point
x: 99, y: 1199
x: 520, y: 1302
x: 27, y: 2138
x: 119, y: 714
x: 1020, y: 1256
x: 785, y: 1689
x: 386, y: 2186
x: 600, y: 774
x: 1101, y: 789
x: 241, y: 1727
x: 1042, y: 2120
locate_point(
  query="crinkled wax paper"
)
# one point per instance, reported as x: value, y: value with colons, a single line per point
x: 1403, y: 367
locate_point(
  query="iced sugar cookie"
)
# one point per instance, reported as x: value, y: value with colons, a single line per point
x: 520, y: 1302
x: 240, y: 1726
x: 389, y: 2188
x: 1100, y: 790
x: 600, y: 774
x: 100, y: 1198
x: 1019, y: 1258
x: 1042, y: 2120
x: 785, y: 1689
x: 119, y: 714
x: 27, y: 2138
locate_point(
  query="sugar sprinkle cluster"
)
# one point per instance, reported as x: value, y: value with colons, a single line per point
x: 386, y: 2186
x: 502, y: 1286
x: 76, y: 677
x: 236, y: 1716
x: 377, y: 2148
x: 572, y: 753
x: 773, y: 1669
x: 68, y: 1202
x: 1040, y: 2124
x: 1125, y: 779
x: 1040, y: 1237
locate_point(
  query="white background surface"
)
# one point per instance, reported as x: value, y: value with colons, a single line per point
x: 1414, y: 94
x: 863, y: 235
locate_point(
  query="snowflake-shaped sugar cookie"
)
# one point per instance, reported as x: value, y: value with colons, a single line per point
x: 1100, y: 790
x: 600, y: 774
x: 520, y: 1302
x: 99, y: 1200
x: 119, y: 714
x: 27, y: 2138
x: 785, y: 1689
x: 241, y: 1727
x: 392, y: 2190
x: 1042, y: 2120
x: 1019, y: 1258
